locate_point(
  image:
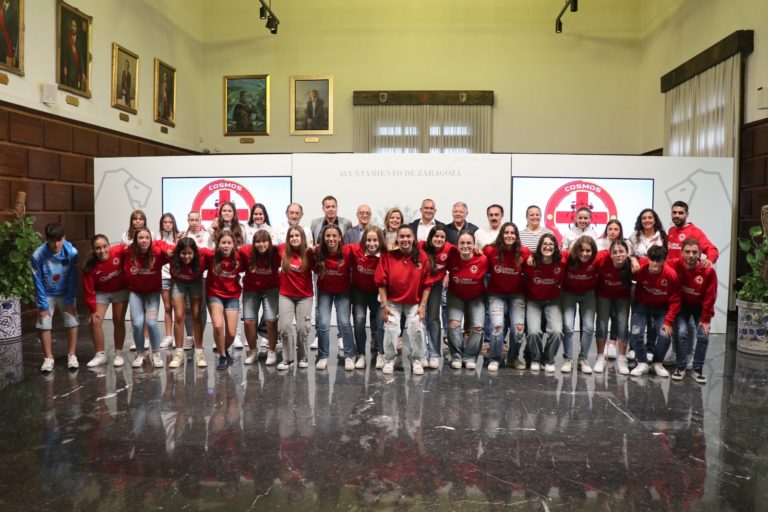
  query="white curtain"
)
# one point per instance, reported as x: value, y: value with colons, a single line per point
x: 423, y: 129
x: 702, y: 115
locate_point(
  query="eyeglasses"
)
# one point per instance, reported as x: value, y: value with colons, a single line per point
x: 363, y: 213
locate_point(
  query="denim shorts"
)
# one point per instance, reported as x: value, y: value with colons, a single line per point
x: 266, y: 300
x: 110, y: 297
x: 227, y: 304
x: 167, y: 283
x: 54, y: 303
x: 187, y: 288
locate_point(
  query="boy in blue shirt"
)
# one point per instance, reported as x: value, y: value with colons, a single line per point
x: 54, y: 269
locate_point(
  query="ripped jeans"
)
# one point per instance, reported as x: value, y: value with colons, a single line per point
x: 144, y: 308
x: 300, y: 308
x: 475, y: 311
x: 515, y: 304
x: 413, y: 334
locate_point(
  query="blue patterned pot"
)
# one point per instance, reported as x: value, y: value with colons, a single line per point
x: 752, y: 328
x: 10, y: 318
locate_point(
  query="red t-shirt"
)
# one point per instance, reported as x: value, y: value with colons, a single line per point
x: 507, y: 275
x: 583, y: 278
x: 105, y: 276
x: 150, y: 280
x: 265, y: 275
x: 544, y: 282
x: 677, y: 236
x: 658, y: 290
x: 297, y: 283
x: 441, y: 258
x: 609, y: 282
x: 699, y: 288
x: 403, y: 280
x: 363, y: 269
x: 185, y: 274
x: 224, y: 283
x: 336, y: 278
x: 466, y: 276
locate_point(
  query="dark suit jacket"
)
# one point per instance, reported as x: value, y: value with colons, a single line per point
x: 415, y: 226
x: 318, y: 121
x: 317, y: 226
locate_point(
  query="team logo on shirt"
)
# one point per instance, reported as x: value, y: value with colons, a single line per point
x: 443, y: 257
x: 473, y: 269
x: 681, y: 236
x: 116, y: 261
x: 556, y: 270
x: 664, y: 282
x: 699, y: 279
x: 562, y: 205
x: 219, y: 191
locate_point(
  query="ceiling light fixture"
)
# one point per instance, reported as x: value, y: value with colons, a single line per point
x: 266, y: 12
x: 574, y: 5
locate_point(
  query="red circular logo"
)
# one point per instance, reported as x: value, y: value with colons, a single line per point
x: 220, y: 191
x: 569, y: 197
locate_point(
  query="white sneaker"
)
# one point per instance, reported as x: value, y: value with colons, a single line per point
x: 549, y: 368
x: 434, y: 362
x: 147, y: 344
x: 253, y: 356
x: 584, y: 367
x: 138, y: 360
x: 263, y: 343
x: 118, y: 360
x: 189, y: 343
x: 380, y: 362
x: 341, y: 345
x: 360, y: 362
x: 349, y: 363
x: 671, y: 357
x: 640, y: 369
x: 470, y: 365
x: 567, y: 366
x: 304, y: 363
x: 535, y: 366
x: 157, y: 361
x: 631, y: 355
x: 313, y: 345
x: 72, y: 362
x: 200, y: 361
x: 271, y: 357
x: 285, y: 365
x: 321, y: 364
x: 388, y: 368
x: 610, y: 350
x: 416, y: 368
x: 238, y: 343
x: 456, y: 365
x: 599, y: 364
x: 659, y: 370
x: 621, y: 365
x: 689, y: 362
x: 649, y: 357
x: 178, y: 358
x: 493, y: 366
x: 47, y: 365
x: 131, y: 345
x: 99, y: 359
x: 167, y: 342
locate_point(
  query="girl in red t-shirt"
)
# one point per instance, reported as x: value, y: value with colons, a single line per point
x: 186, y: 269
x: 365, y: 294
x: 437, y: 249
x: 295, y: 299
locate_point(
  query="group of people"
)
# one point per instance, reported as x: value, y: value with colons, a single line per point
x: 411, y: 282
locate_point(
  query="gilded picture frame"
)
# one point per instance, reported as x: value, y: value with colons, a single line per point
x: 73, y: 49
x: 311, y: 105
x: 164, y: 93
x: 246, y: 105
x: 12, y: 24
x: 125, y: 79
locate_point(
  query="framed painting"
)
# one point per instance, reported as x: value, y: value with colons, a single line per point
x: 246, y: 105
x: 125, y: 79
x: 165, y: 93
x: 12, y: 36
x: 312, y: 105
x: 73, y: 49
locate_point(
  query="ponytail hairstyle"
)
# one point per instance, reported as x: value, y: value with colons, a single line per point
x: 573, y: 254
x: 174, y: 230
x: 556, y: 255
x: 93, y: 260
x: 501, y: 247
x: 583, y: 209
x: 625, y: 272
x: 285, y: 265
x: 379, y: 235
x: 186, y: 243
x: 323, y: 253
x: 262, y: 236
x: 136, y: 252
x: 219, y: 257
x: 415, y: 253
x: 135, y: 214
x: 431, y: 250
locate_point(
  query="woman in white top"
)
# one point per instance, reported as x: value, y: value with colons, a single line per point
x: 138, y: 221
x: 649, y: 231
x: 529, y: 236
x: 614, y: 230
x: 259, y: 220
x: 392, y: 222
x: 582, y: 221
x: 168, y: 233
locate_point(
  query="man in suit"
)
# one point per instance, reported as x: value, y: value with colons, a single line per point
x: 330, y: 209
x: 74, y: 58
x: 353, y: 235
x: 125, y: 84
x: 315, y: 118
x: 422, y: 226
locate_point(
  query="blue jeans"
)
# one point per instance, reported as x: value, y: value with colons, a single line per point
x: 514, y: 305
x: 587, y: 309
x: 413, y: 334
x: 434, y: 334
x: 144, y: 308
x: 367, y: 303
x: 615, y: 310
x: 687, y: 322
x: 343, y: 305
x: 550, y: 309
x: 642, y: 317
x: 475, y: 310
x: 254, y: 301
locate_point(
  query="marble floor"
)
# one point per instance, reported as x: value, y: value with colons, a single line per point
x: 253, y: 438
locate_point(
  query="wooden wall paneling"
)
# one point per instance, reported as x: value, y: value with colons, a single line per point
x: 161, y: 151
x: 5, y: 195
x: 746, y: 139
x: 760, y: 140
x: 34, y: 190
x: 13, y: 160
x: 89, y: 170
x: 82, y: 199
x: 147, y: 150
x: 75, y: 227
x: 43, y: 165
x: 745, y: 206
x: 89, y: 226
x: 85, y: 141
x: 753, y: 172
x: 26, y: 129
x: 759, y: 198
x: 109, y: 145
x: 58, y: 197
x: 129, y: 147
x: 41, y: 219
x: 57, y: 136
x: 3, y: 124
x: 73, y: 168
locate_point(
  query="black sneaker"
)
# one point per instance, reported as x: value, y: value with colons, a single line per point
x: 222, y: 365
x: 229, y: 360
x: 678, y: 374
x: 699, y: 376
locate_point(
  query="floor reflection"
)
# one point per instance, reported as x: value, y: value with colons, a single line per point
x: 255, y: 438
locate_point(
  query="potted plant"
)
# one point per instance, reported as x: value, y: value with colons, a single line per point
x: 752, y: 298
x: 18, y: 240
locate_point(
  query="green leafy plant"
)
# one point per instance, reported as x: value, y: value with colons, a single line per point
x: 754, y: 285
x: 18, y: 240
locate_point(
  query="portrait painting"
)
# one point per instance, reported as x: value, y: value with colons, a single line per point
x: 12, y: 36
x: 73, y: 48
x: 165, y: 93
x: 312, y: 105
x: 246, y: 105
x: 125, y: 79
